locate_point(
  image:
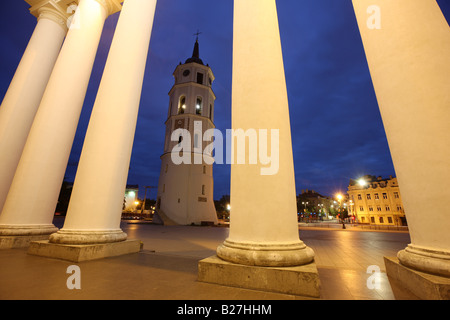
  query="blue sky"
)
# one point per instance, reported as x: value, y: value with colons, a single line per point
x: 337, y: 132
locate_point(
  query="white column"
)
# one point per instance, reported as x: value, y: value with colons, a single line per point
x: 95, y: 208
x: 31, y: 202
x: 263, y: 229
x: 25, y: 92
x: 407, y: 44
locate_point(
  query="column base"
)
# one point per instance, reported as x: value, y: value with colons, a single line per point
x: 87, y: 252
x: 426, y: 260
x: 301, y: 280
x: 266, y: 255
x: 80, y: 237
x: 423, y: 285
x: 20, y: 236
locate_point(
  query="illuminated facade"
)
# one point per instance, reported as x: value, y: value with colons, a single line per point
x: 375, y: 200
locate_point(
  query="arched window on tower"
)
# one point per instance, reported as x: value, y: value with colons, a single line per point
x: 182, y: 105
x: 199, y: 105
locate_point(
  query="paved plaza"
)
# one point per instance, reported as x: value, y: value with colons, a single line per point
x: 166, y: 268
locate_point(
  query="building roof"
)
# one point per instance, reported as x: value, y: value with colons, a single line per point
x: 195, y: 54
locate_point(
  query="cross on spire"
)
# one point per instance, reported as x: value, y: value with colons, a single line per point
x: 197, y: 34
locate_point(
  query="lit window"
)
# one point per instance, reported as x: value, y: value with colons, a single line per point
x: 182, y: 105
x: 199, y: 106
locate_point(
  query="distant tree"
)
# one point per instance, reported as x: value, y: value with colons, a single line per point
x: 222, y: 206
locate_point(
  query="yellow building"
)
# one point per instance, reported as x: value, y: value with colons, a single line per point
x: 374, y: 200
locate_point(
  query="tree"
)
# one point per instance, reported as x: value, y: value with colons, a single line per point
x: 222, y: 206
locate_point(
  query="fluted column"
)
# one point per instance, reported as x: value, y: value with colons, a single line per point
x: 407, y: 44
x: 41, y: 169
x: 263, y: 229
x: 24, y: 94
x: 96, y: 203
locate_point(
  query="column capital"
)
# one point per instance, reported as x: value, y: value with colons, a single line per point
x: 112, y: 6
x: 56, y: 10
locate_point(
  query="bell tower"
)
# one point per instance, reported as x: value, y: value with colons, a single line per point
x: 185, y: 190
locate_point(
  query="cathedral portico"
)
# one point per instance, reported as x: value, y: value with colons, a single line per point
x: 43, y: 162
x: 95, y: 208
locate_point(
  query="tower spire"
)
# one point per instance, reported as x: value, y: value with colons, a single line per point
x: 196, y: 52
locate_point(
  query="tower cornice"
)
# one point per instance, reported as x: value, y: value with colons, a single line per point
x: 195, y: 65
x: 191, y: 115
x: 189, y: 84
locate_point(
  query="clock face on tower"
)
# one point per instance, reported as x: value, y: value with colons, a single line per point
x: 186, y: 73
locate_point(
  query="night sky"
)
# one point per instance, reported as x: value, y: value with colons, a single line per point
x: 337, y: 130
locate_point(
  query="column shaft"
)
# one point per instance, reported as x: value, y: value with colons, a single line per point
x: 409, y: 61
x: 24, y: 94
x: 96, y: 204
x: 263, y: 229
x: 43, y: 163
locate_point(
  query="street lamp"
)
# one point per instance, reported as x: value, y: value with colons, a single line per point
x: 304, y: 211
x: 305, y: 203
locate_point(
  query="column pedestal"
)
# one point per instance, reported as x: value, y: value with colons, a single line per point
x: 298, y: 280
x: 83, y: 252
x: 424, y: 285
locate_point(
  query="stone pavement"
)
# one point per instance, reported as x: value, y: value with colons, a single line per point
x: 166, y: 268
